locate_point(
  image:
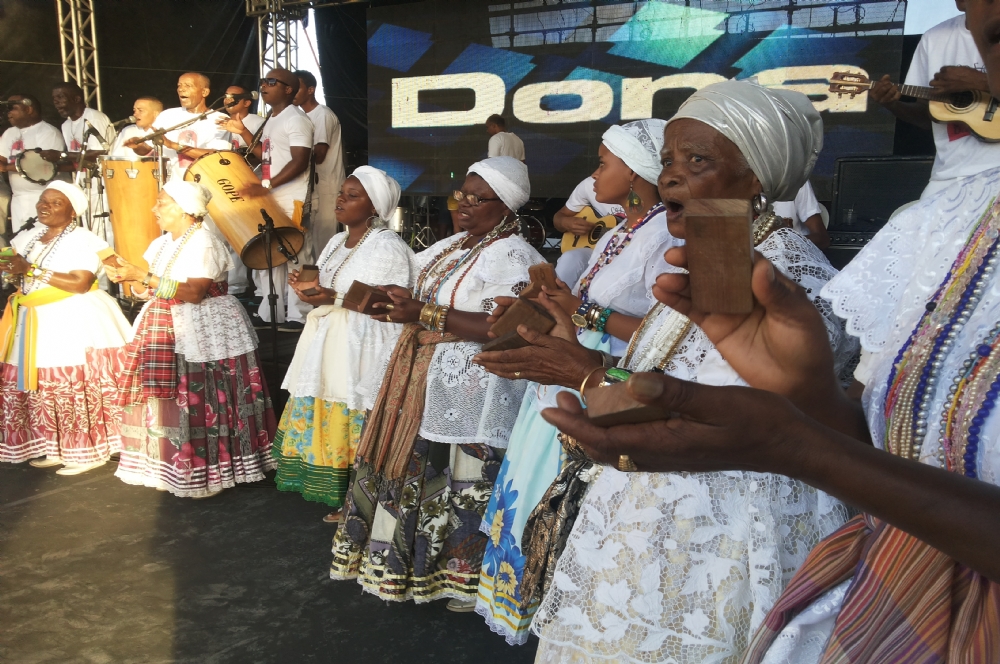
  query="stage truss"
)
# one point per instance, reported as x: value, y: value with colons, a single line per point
x: 78, y: 45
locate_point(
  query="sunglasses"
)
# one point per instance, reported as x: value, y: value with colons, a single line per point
x: 471, y: 199
x: 271, y: 82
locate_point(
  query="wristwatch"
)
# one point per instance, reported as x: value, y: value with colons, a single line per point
x: 580, y: 317
x: 266, y: 184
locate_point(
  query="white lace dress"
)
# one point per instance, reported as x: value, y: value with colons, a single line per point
x: 681, y: 567
x: 465, y: 404
x: 882, y: 294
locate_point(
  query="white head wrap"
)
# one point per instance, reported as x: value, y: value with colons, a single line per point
x: 76, y: 197
x: 778, y: 131
x: 191, y: 196
x: 638, y: 144
x: 507, y: 177
x: 382, y: 190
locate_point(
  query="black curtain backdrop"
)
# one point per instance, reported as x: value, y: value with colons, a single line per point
x: 143, y: 46
x: 342, y: 36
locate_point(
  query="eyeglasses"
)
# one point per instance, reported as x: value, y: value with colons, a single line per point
x: 271, y: 82
x: 471, y: 199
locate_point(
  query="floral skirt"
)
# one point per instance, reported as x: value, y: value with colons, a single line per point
x: 420, y: 542
x: 315, y: 443
x: 215, y: 433
x: 72, y: 416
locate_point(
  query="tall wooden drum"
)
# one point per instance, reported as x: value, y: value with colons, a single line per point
x: 237, y: 218
x: 132, y: 187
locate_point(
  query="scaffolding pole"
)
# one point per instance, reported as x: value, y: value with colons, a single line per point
x: 78, y: 45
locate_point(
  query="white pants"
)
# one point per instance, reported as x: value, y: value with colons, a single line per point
x: 290, y: 307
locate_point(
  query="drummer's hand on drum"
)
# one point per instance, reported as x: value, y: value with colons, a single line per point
x: 402, y: 309
x: 50, y: 155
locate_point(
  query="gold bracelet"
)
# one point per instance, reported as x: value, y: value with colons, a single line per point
x: 442, y: 318
x: 583, y: 385
x: 425, y: 315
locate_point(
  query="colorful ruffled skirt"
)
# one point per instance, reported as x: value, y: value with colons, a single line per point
x: 314, y: 446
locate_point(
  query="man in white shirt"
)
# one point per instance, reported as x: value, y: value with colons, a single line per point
x: 806, y: 215
x: 571, y: 264
x: 502, y: 142
x: 947, y: 60
x: 145, y: 111
x: 284, y: 151
x: 238, y: 101
x: 328, y: 161
x: 182, y: 146
x: 84, y: 129
x: 27, y: 131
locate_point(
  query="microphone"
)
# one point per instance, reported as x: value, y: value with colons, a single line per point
x: 121, y: 123
x: 92, y: 132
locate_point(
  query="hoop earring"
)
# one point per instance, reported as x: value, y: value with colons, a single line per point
x: 634, y: 200
x: 760, y: 203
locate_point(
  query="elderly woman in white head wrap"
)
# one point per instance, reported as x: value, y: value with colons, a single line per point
x: 435, y: 437
x: 56, y: 383
x: 607, y: 303
x: 677, y: 566
x: 197, y: 414
x: 341, y: 355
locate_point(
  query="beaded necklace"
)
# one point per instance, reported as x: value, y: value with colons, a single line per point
x: 439, y: 274
x: 613, y: 248
x: 914, y: 375
x: 350, y: 252
x: 30, y: 283
x: 177, y: 251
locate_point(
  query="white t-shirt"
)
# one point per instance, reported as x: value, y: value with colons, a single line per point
x: 118, y: 148
x: 804, y: 206
x: 506, y: 144
x: 252, y: 122
x: 73, y: 130
x: 15, y: 141
x: 326, y: 129
x: 583, y: 196
x: 204, y: 134
x: 959, y: 153
x: 290, y: 128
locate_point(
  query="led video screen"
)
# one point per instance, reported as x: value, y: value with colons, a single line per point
x: 561, y: 72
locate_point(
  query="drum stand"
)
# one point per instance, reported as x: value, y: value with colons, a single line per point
x: 267, y: 230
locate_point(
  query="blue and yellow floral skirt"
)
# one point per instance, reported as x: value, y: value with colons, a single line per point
x: 314, y: 446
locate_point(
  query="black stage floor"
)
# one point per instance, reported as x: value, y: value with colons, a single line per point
x: 94, y: 571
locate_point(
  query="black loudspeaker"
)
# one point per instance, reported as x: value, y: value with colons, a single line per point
x: 866, y: 191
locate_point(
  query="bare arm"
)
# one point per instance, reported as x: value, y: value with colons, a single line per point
x: 886, y: 93
x: 566, y: 221
x: 319, y: 151
x: 817, y: 231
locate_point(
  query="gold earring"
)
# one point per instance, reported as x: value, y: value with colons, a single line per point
x: 634, y: 200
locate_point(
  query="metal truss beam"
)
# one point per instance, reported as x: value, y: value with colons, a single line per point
x: 78, y: 45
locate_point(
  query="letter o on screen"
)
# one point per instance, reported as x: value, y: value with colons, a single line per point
x: 597, y: 99
x: 489, y: 89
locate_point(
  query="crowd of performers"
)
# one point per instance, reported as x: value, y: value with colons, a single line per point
x: 766, y: 524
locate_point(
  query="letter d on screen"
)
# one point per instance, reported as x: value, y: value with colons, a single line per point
x: 489, y: 89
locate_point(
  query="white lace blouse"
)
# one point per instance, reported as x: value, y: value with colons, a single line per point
x: 684, y: 566
x: 464, y: 403
x: 216, y: 328
x: 626, y: 283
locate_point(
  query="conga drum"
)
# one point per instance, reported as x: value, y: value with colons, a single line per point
x: 237, y: 218
x: 132, y: 187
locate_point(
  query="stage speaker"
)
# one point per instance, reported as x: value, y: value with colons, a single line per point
x: 866, y: 191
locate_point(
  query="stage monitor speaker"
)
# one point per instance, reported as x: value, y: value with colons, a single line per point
x: 866, y: 191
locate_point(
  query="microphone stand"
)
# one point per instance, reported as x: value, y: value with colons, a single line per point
x: 267, y: 229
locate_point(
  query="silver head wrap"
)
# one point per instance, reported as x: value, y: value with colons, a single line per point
x: 638, y: 144
x: 778, y: 131
x: 382, y: 190
x: 190, y: 196
x: 507, y: 177
x: 76, y: 197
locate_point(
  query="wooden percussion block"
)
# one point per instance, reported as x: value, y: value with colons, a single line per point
x: 543, y: 274
x: 719, y: 240
x: 523, y: 312
x: 360, y: 297
x: 613, y: 405
x: 108, y: 257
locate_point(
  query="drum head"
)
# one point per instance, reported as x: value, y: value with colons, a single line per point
x: 34, y: 168
x: 254, y: 256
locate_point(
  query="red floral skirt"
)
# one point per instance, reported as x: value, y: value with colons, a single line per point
x: 71, y: 417
x: 215, y: 433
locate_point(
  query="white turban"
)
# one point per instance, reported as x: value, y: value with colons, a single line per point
x: 190, y: 196
x: 382, y: 190
x: 76, y: 197
x: 507, y: 177
x: 778, y: 131
x: 638, y: 144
